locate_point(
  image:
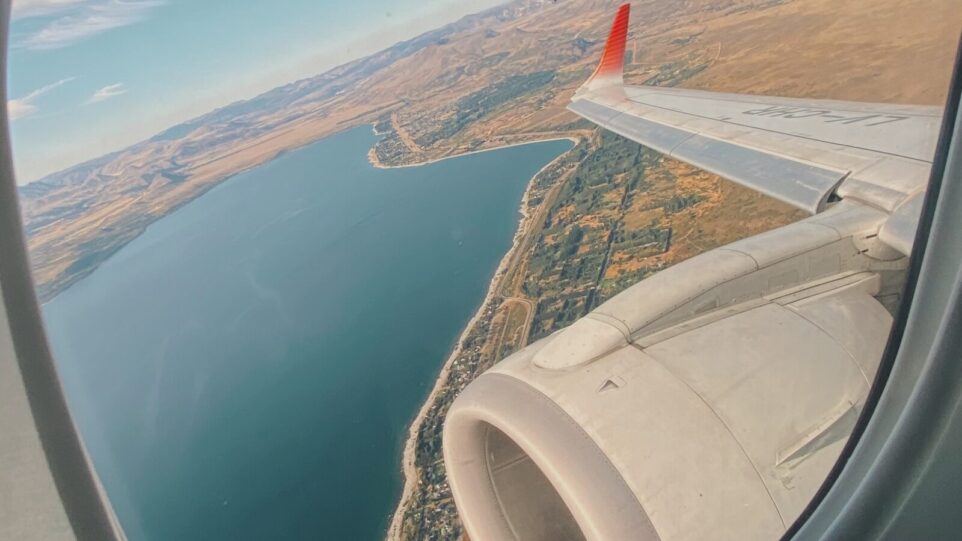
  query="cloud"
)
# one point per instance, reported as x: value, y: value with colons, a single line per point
x: 23, y: 107
x: 107, y: 92
x: 33, y: 8
x: 75, y: 20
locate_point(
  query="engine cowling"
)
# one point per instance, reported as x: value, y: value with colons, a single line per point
x: 706, y: 402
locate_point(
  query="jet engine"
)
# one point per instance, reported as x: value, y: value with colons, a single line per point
x: 708, y: 401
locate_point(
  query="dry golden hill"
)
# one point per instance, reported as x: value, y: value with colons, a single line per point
x: 501, y: 76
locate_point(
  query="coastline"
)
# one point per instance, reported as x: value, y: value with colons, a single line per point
x: 375, y: 162
x: 408, y: 456
x: 409, y: 469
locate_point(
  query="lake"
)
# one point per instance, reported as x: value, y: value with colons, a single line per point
x: 247, y: 368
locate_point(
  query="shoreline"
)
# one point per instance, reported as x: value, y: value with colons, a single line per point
x: 200, y: 189
x: 407, y: 459
x: 408, y: 469
x: 375, y: 162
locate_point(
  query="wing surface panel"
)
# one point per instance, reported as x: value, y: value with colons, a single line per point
x: 800, y: 151
x: 801, y: 184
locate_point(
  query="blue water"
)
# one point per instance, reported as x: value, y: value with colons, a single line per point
x: 247, y: 368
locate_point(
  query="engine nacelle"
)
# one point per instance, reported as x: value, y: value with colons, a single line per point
x: 708, y: 401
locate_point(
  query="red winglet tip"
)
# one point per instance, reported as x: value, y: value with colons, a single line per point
x: 611, y: 67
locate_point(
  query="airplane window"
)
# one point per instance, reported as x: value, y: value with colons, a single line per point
x: 470, y: 270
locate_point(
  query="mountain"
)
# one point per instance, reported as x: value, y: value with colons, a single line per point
x: 500, y: 76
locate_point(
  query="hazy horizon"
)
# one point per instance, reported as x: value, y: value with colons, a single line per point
x: 61, y: 118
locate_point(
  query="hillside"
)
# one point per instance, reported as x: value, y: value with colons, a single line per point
x: 499, y: 76
x: 604, y: 215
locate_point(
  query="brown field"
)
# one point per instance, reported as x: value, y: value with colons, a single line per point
x: 463, y: 88
x: 878, y: 50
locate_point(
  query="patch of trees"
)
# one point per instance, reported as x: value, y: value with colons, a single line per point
x: 573, y: 240
x: 681, y: 202
x: 478, y: 104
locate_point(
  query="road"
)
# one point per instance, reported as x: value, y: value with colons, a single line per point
x: 514, y: 277
x: 529, y: 308
x: 404, y: 136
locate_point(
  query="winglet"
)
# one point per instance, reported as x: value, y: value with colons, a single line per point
x: 612, y: 66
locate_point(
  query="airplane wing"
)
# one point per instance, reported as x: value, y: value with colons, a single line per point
x: 801, y: 151
x: 711, y: 399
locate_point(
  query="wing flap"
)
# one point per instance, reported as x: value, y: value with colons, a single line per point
x: 800, y: 184
x: 906, y: 131
x: 899, y: 230
x: 799, y: 151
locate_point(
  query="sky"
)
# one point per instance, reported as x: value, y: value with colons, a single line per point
x: 87, y: 77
